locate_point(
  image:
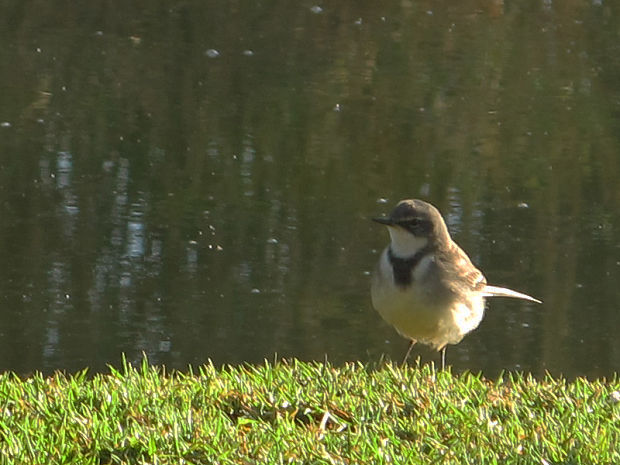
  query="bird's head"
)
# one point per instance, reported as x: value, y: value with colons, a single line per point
x: 414, y: 224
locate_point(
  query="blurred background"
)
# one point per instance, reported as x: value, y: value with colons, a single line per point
x: 194, y: 179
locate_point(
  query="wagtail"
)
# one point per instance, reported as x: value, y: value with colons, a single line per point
x: 424, y: 284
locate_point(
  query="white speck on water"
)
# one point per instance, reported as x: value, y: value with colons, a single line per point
x: 248, y: 53
x: 272, y: 240
x: 382, y: 200
x: 212, y: 53
x: 316, y: 9
x: 5, y: 124
x: 255, y: 291
x: 523, y: 205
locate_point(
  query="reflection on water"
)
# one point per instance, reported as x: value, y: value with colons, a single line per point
x: 60, y: 304
x: 164, y: 199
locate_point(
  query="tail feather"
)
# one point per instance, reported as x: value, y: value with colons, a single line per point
x: 495, y: 291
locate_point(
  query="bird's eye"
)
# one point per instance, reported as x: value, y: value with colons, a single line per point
x: 416, y: 226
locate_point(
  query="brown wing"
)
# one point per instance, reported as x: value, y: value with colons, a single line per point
x: 458, y: 272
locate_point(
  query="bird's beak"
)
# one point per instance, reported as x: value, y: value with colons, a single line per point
x: 386, y: 220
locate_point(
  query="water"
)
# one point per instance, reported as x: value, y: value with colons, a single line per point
x: 196, y: 182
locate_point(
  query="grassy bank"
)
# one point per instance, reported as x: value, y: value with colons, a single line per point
x: 295, y: 412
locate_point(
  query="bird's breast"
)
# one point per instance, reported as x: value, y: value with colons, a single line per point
x: 422, y: 311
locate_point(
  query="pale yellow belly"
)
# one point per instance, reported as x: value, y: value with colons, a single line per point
x: 416, y: 317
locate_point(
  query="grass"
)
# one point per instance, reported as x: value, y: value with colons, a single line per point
x: 295, y: 412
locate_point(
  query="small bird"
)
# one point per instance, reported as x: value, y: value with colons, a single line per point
x: 424, y: 284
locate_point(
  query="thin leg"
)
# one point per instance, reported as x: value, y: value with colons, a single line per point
x: 411, y: 344
x: 442, y: 351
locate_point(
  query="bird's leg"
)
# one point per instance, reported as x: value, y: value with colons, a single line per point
x: 411, y: 344
x: 442, y: 351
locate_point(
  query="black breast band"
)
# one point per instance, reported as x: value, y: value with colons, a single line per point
x: 403, y: 267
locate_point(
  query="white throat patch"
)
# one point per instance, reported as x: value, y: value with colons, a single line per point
x: 405, y: 244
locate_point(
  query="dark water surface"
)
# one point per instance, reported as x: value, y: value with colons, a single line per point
x: 195, y: 179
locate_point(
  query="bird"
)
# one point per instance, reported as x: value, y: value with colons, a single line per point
x: 424, y: 284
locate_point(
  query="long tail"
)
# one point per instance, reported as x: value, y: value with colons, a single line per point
x: 494, y: 291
